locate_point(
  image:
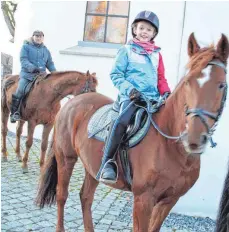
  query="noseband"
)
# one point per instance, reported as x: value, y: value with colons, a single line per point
x: 204, y: 114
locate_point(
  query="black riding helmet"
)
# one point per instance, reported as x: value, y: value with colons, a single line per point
x: 147, y: 16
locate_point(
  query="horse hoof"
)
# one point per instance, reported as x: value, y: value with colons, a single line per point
x: 25, y: 170
x: 19, y: 159
x: 4, y: 159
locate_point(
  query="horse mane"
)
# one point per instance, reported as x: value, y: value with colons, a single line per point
x: 200, y: 60
x: 60, y: 73
x: 223, y: 213
x: 67, y: 73
x: 196, y: 64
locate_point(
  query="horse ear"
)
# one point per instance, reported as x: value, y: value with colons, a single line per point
x: 193, y: 46
x: 93, y: 74
x: 88, y: 73
x: 222, y: 48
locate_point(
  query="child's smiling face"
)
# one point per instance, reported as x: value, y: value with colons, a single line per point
x: 144, y: 31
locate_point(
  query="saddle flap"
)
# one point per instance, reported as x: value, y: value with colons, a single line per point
x: 135, y: 123
x: 29, y: 87
x: 102, y: 118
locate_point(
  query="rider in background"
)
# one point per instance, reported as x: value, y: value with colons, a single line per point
x: 138, y: 73
x: 35, y: 58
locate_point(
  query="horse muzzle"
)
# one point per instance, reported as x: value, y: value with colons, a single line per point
x: 195, y: 145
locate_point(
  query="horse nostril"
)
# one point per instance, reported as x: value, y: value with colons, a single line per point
x: 193, y: 146
x: 204, y: 139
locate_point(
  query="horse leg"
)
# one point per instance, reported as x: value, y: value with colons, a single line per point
x: 143, y: 205
x: 86, y: 197
x: 5, y: 115
x: 29, y: 143
x: 44, y: 142
x: 160, y: 212
x: 65, y: 167
x: 18, y: 139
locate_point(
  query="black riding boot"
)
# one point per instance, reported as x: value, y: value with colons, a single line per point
x: 108, y: 169
x: 108, y: 172
x: 15, y: 111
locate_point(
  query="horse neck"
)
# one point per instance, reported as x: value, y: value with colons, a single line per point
x: 63, y: 85
x: 171, y: 119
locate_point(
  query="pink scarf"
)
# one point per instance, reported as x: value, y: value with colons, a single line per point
x: 147, y: 46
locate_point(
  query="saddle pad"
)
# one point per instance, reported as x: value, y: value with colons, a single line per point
x: 101, y: 119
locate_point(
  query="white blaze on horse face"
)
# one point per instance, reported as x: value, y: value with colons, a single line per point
x: 206, y: 72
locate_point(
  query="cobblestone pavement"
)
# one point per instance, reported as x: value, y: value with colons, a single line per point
x: 112, y: 208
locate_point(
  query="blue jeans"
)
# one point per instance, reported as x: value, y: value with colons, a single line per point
x: 21, y: 87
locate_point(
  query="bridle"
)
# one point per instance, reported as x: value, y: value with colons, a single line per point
x: 201, y: 113
x: 87, y: 88
x: 204, y: 114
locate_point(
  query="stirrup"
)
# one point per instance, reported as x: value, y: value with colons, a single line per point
x: 105, y: 181
x: 16, y: 116
x: 12, y: 120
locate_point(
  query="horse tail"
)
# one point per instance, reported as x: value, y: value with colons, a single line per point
x: 48, y: 182
x: 222, y: 222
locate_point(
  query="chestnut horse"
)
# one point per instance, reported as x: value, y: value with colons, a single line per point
x: 162, y: 169
x: 222, y: 223
x: 41, y: 106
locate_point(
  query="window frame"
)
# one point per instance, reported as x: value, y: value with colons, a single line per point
x: 106, y: 15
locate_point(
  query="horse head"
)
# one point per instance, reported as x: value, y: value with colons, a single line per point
x: 91, y: 83
x: 205, y: 89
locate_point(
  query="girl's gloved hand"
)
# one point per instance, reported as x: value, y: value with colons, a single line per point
x: 134, y: 94
x: 36, y: 70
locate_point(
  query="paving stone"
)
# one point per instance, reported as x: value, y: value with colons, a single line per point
x: 114, y: 212
x: 96, y: 216
x: 110, y: 217
x: 102, y: 227
x: 101, y: 230
x: 71, y: 225
x: 99, y: 212
x: 105, y: 221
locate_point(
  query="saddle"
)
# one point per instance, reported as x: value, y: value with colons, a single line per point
x: 30, y: 85
x: 101, y: 121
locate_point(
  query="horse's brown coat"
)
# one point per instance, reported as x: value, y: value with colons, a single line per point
x: 41, y: 107
x: 163, y: 170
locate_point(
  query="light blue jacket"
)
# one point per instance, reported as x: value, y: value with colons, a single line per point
x: 135, y: 68
x: 34, y: 56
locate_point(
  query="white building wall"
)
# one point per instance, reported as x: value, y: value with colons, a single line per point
x: 208, y: 20
x: 63, y: 25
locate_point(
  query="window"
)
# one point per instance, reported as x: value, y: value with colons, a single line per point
x: 106, y: 21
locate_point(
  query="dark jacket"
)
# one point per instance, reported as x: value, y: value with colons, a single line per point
x: 34, y: 56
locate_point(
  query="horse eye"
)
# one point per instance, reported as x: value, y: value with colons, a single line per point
x: 222, y: 86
